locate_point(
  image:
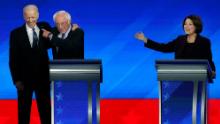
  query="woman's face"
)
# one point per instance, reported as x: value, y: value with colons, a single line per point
x: 189, y: 27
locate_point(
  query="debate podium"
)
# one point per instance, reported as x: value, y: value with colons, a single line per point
x: 65, y: 74
x: 183, y: 91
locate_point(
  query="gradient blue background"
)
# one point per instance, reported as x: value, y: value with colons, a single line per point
x: 110, y: 25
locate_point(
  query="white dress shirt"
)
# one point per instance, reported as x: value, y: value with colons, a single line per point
x: 30, y: 33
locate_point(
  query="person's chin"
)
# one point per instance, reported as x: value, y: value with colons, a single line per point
x: 62, y: 31
x: 187, y: 33
x: 31, y: 25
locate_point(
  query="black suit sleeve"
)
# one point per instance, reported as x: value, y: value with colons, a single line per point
x: 71, y: 47
x: 162, y: 47
x: 46, y: 26
x: 14, y: 58
x: 56, y: 41
x: 80, y: 42
x: 208, y: 53
x: 78, y: 35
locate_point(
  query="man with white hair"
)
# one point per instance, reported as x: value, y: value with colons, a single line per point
x: 67, y: 40
x: 28, y: 61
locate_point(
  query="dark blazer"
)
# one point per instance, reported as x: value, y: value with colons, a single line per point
x: 70, y: 48
x: 28, y: 64
x: 201, y: 49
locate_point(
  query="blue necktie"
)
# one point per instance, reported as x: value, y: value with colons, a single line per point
x: 35, y: 39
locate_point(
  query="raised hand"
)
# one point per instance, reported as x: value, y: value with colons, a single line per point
x: 74, y: 27
x: 213, y: 74
x: 140, y: 36
x: 46, y: 33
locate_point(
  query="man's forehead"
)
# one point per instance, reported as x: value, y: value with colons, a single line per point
x: 30, y: 11
x: 62, y: 16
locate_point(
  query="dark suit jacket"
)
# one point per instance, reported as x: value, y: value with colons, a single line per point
x: 201, y: 49
x: 70, y: 48
x: 28, y: 64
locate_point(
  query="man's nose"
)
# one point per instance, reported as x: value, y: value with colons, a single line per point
x: 31, y: 19
x: 59, y: 26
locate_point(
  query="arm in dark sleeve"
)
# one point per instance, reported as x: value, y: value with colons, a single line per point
x: 78, y: 36
x: 79, y: 33
x: 209, y: 55
x: 46, y: 26
x: 162, y: 47
x: 14, y: 58
x: 58, y: 42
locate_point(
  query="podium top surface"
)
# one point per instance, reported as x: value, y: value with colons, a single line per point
x: 183, y: 69
x: 183, y: 61
x: 76, y: 69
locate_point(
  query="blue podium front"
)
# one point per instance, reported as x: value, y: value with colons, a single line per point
x: 75, y: 91
x: 183, y: 91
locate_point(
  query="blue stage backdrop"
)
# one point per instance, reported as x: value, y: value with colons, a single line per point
x: 110, y: 25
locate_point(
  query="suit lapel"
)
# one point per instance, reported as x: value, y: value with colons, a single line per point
x: 26, y: 39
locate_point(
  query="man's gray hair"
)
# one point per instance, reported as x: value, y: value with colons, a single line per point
x: 65, y: 13
x: 30, y: 6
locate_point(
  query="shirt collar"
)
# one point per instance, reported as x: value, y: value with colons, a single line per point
x: 67, y: 32
x: 30, y: 29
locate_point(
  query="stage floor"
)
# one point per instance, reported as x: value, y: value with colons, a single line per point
x: 113, y: 111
